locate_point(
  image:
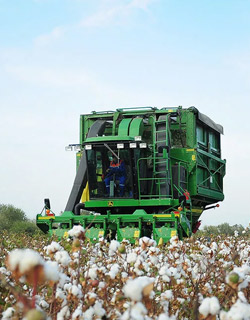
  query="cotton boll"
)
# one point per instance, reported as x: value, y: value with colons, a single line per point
x: 53, y: 247
x: 113, y: 271
x: 113, y: 247
x: 133, y: 289
x: 168, y: 294
x: 242, y: 297
x: 24, y: 260
x: 43, y: 304
x: 51, y: 271
x: 77, y: 313
x: 63, y: 314
x: 88, y: 314
x: 131, y: 257
x: 76, y: 232
x: 209, y: 306
x: 8, y: 313
x: 76, y: 291
x: 63, y: 258
x: 138, y: 311
x: 91, y: 273
x: 165, y: 316
x: 98, y: 309
x: 238, y: 311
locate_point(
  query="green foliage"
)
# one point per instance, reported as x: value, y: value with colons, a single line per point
x: 14, y: 220
x: 222, y: 229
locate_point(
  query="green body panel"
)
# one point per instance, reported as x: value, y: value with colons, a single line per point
x: 130, y: 203
x: 123, y: 127
x: 136, y: 127
x: 174, y: 151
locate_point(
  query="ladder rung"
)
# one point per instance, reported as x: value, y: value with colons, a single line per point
x: 157, y: 131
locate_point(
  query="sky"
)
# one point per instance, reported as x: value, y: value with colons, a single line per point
x: 63, y: 58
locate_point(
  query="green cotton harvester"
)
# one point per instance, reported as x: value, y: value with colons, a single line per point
x: 142, y: 172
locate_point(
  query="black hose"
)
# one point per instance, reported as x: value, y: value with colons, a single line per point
x: 78, y: 208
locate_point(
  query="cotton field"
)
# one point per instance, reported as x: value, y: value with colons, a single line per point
x: 200, y: 278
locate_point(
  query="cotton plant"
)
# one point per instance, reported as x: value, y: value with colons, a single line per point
x: 75, y: 279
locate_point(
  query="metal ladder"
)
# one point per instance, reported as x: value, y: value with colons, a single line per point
x: 160, y: 163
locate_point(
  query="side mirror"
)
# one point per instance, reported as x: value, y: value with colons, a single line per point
x: 47, y: 204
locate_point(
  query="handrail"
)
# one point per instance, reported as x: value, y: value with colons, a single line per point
x: 136, y: 108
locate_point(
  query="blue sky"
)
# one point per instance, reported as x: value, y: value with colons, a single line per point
x: 61, y: 58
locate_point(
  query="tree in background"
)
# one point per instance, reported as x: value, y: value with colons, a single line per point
x: 13, y: 219
x: 221, y: 229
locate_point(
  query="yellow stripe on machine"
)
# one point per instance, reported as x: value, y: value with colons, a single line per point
x: 189, y: 150
x: 162, y: 215
x: 46, y: 218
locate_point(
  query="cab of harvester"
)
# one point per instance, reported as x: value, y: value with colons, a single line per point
x: 142, y: 172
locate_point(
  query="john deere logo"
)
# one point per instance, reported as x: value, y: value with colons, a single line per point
x: 110, y: 203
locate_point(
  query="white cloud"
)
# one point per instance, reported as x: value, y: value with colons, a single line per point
x: 45, y: 39
x: 110, y: 12
x: 114, y: 13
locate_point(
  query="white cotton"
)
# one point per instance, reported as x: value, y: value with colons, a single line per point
x: 168, y: 294
x: 67, y: 286
x: 91, y: 273
x: 154, y: 259
x: 137, y: 312
x: 63, y: 278
x: 76, y: 313
x: 214, y: 246
x: 98, y: 309
x: 174, y: 241
x: 165, y: 278
x: 134, y: 287
x: 76, y: 231
x: 114, y: 245
x: 113, y: 271
x: 209, y: 306
x: 76, y: 291
x: 63, y: 258
x: 131, y: 257
x: 24, y: 259
x: 171, y: 272
x: 88, y: 314
x: 147, y: 242
x: 165, y: 316
x: 63, y: 314
x: 43, y: 304
x: 8, y: 313
x: 238, y: 311
x: 60, y: 294
x: 3, y: 270
x: 242, y: 297
x: 53, y: 247
x: 102, y: 284
x: 51, y: 271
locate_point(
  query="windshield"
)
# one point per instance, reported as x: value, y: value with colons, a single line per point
x: 110, y: 171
